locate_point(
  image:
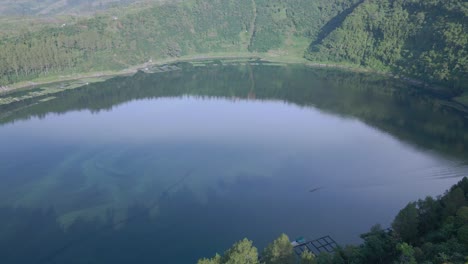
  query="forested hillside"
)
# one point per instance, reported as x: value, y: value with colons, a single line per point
x: 169, y: 30
x: 425, y: 40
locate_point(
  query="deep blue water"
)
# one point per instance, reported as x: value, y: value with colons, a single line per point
x: 172, y: 167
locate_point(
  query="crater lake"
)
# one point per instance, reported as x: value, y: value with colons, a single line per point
x: 172, y: 166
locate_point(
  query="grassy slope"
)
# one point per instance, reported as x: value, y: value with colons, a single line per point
x: 278, y: 30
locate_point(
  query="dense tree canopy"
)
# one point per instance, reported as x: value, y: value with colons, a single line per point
x: 241, y: 252
x: 279, y: 252
x: 424, y: 39
x: 427, y: 40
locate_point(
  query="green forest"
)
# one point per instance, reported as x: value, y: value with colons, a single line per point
x: 423, y: 43
x: 423, y: 40
x: 432, y: 230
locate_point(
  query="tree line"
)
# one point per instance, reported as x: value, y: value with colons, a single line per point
x: 411, y: 114
x: 426, y: 40
x: 36, y: 54
x: 107, y: 41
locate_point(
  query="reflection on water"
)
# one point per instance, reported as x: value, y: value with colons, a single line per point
x: 170, y: 167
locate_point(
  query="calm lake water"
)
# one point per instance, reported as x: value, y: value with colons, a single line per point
x: 170, y: 167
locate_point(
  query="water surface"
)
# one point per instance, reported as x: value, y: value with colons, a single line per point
x: 171, y: 167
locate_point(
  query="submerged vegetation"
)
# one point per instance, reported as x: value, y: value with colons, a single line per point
x: 433, y: 230
x: 90, y: 223
x: 419, y: 39
x: 422, y: 42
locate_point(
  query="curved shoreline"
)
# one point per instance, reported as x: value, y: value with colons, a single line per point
x: 108, y: 74
x: 99, y: 76
x: 265, y: 57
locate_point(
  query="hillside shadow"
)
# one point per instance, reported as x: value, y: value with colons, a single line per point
x: 333, y: 24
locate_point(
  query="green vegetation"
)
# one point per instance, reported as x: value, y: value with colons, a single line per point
x: 107, y: 42
x: 240, y: 253
x: 243, y: 252
x: 426, y: 231
x: 279, y: 21
x: 425, y: 40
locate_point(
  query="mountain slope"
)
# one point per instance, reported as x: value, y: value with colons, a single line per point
x: 424, y: 39
x: 162, y: 31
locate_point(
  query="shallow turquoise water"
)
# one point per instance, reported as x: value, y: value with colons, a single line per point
x: 171, y: 167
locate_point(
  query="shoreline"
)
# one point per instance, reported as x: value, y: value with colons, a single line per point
x: 99, y: 76
x: 104, y: 75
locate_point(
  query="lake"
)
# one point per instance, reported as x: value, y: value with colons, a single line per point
x: 173, y: 166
